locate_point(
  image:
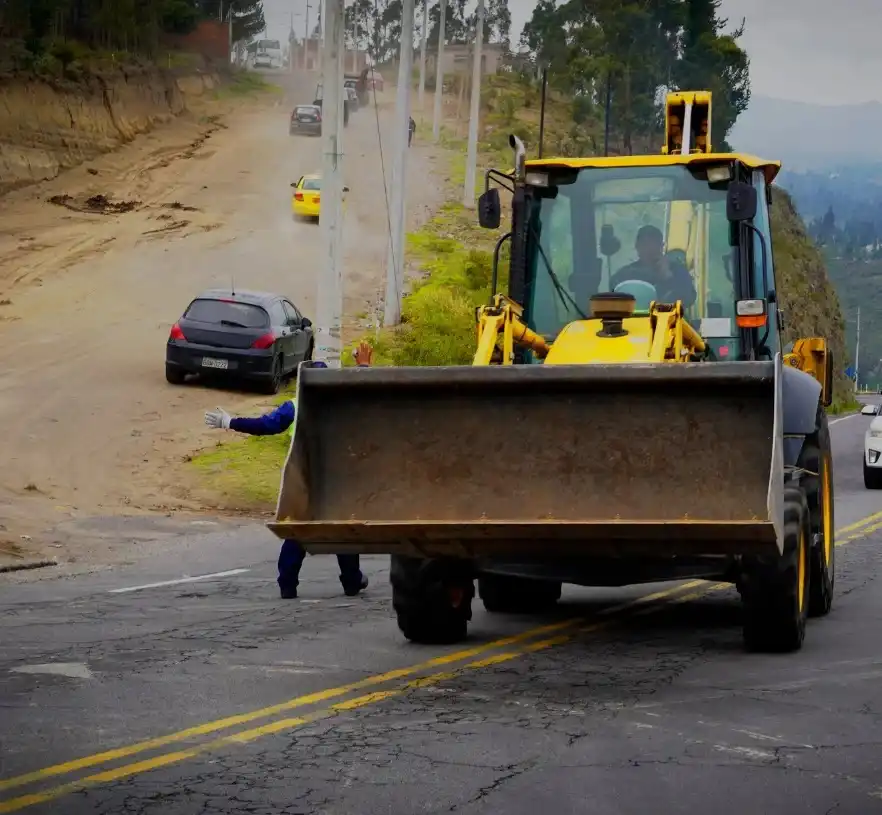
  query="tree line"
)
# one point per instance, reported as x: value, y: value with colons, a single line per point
x: 131, y: 25
x: 631, y: 50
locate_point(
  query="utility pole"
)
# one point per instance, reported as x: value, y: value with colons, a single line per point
x: 395, y: 265
x: 425, y: 34
x: 857, y: 353
x: 468, y: 193
x: 306, y: 39
x: 439, y: 75
x: 329, y: 302
x: 542, y: 108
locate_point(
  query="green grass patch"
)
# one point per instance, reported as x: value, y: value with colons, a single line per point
x: 245, y: 471
x: 244, y: 83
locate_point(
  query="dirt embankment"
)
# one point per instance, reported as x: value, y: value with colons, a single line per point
x: 48, y: 126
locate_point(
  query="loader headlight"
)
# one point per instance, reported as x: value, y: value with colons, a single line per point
x: 536, y: 179
x: 719, y: 173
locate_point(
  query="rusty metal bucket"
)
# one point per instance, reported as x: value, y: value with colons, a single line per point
x: 536, y: 460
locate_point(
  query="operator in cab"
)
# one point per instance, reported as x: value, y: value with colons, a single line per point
x: 670, y: 278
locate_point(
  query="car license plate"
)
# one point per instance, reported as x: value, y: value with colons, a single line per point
x: 211, y: 362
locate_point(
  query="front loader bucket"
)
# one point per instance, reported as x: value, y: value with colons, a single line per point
x: 536, y: 460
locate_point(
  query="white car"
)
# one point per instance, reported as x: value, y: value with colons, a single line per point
x: 873, y: 455
x: 870, y: 410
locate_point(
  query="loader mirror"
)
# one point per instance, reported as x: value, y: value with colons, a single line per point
x: 489, y: 209
x: 741, y: 202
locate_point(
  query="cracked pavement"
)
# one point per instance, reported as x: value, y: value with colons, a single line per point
x: 659, y: 712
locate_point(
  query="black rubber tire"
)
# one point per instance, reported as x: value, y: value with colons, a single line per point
x: 424, y: 601
x: 517, y: 595
x: 174, y: 376
x: 309, y: 352
x: 273, y: 384
x: 774, y: 617
x: 817, y: 457
x: 872, y: 477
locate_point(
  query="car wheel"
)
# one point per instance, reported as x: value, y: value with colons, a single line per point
x: 872, y: 477
x: 274, y: 384
x: 174, y: 376
x: 309, y: 351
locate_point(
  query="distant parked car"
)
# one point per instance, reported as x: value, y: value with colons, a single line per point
x: 246, y: 335
x: 873, y: 455
x: 352, y: 96
x: 317, y: 101
x: 870, y: 410
x: 306, y: 119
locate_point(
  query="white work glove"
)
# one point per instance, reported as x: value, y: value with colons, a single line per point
x: 218, y: 418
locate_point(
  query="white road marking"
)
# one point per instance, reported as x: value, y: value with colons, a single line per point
x: 75, y: 670
x: 843, y: 418
x: 229, y: 573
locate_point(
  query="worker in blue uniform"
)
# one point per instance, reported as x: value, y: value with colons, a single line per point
x: 292, y: 554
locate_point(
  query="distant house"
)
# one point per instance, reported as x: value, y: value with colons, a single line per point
x: 458, y: 59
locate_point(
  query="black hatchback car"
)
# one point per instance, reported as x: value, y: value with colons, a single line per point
x: 306, y: 119
x: 243, y: 335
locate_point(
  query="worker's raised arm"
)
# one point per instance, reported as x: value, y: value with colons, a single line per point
x: 270, y: 424
x: 276, y: 421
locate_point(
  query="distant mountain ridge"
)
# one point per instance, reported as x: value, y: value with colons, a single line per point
x: 806, y: 136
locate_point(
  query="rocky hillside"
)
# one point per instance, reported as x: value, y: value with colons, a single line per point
x: 48, y: 125
x: 807, y: 295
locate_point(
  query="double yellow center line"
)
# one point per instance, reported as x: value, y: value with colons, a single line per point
x: 420, y: 675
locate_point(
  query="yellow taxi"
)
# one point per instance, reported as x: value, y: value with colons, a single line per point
x: 306, y: 202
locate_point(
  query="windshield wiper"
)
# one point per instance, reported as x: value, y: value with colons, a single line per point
x: 564, y: 295
x: 233, y: 324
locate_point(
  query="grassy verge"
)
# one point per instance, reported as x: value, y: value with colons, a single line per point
x: 244, y: 83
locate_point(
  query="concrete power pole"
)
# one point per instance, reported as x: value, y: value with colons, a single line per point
x: 395, y: 266
x: 439, y: 75
x: 425, y: 34
x: 857, y: 353
x: 468, y: 193
x: 329, y: 302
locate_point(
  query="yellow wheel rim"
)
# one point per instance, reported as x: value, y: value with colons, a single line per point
x: 801, y: 571
x: 826, y: 503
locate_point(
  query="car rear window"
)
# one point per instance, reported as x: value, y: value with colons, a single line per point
x: 221, y: 311
x: 307, y: 109
x: 312, y: 184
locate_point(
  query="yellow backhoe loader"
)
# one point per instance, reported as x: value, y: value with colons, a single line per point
x: 626, y: 420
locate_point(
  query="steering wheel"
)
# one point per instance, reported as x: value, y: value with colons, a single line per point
x: 644, y: 293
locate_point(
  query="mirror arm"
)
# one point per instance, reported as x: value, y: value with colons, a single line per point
x: 495, y: 279
x: 767, y: 295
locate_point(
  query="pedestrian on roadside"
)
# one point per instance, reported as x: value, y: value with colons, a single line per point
x: 411, y: 129
x: 292, y: 554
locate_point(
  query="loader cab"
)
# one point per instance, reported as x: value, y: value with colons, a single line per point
x: 577, y: 225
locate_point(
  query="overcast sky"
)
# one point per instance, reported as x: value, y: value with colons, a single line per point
x: 826, y: 51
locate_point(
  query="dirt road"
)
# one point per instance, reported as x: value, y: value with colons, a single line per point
x: 90, y: 426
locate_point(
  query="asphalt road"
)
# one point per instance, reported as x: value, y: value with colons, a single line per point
x: 210, y: 695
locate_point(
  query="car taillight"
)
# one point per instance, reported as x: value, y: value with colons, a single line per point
x: 298, y: 196
x: 264, y: 342
x: 318, y: 118
x: 176, y: 333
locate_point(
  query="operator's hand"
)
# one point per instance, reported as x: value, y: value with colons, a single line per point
x: 363, y: 354
x: 218, y: 418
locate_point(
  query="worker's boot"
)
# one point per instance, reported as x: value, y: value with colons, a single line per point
x: 353, y: 590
